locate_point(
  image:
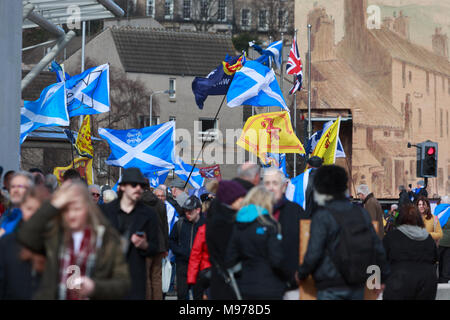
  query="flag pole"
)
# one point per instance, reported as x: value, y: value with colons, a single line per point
x: 65, y: 104
x: 204, y: 141
x: 309, y: 82
x: 281, y: 67
x: 295, y: 116
x: 270, y: 65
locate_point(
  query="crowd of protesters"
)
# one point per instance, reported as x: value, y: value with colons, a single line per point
x: 237, y: 239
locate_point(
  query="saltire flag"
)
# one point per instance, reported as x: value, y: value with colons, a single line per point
x: 218, y: 80
x: 183, y: 170
x: 277, y: 160
x: 296, y: 189
x: 212, y: 172
x: 83, y: 144
x: 273, y: 51
x: 442, y: 211
x: 156, y: 178
x: 327, y: 144
x: 149, y: 148
x: 48, y: 110
x: 56, y: 67
x: 255, y: 85
x: 294, y: 66
x: 197, y: 192
x: 312, y: 142
x: 88, y: 92
x: 269, y: 132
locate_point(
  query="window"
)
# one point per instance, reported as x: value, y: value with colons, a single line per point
x: 207, y: 130
x: 150, y: 9
x: 172, y: 88
x: 222, y: 10
x: 262, y: 23
x: 282, y: 19
x: 102, y: 167
x: 204, y: 7
x: 420, y: 118
x: 245, y: 18
x: 144, y: 121
x: 387, y: 134
x: 187, y: 9
x: 172, y: 118
x: 168, y: 9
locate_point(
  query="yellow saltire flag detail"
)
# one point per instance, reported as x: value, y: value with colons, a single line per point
x: 84, y: 142
x: 270, y: 132
x: 82, y: 165
x: 326, y: 146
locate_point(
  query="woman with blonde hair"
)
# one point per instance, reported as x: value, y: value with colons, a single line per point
x: 256, y: 243
x: 84, y: 258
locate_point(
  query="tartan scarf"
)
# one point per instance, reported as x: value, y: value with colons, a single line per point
x: 69, y: 261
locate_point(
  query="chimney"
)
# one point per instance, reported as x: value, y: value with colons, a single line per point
x: 401, y: 25
x: 355, y: 16
x: 440, y: 43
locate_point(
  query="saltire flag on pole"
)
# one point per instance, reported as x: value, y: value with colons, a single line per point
x: 277, y: 160
x: 83, y: 144
x: 294, y: 66
x: 255, y: 85
x: 183, y: 170
x: 273, y: 51
x: 56, y: 67
x: 218, y: 80
x: 312, y: 142
x: 296, y: 189
x: 88, y: 92
x: 442, y: 211
x: 48, y: 110
x: 150, y: 148
x: 212, y: 172
x: 327, y: 145
x: 269, y: 132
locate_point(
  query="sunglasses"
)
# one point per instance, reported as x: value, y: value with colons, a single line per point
x: 134, y: 185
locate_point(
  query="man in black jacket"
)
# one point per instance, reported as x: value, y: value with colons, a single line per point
x: 288, y: 214
x: 403, y: 197
x: 181, y: 240
x: 330, y: 185
x: 138, y: 226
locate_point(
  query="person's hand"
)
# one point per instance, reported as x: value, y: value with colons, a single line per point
x: 140, y: 242
x: 63, y: 195
x: 87, y: 287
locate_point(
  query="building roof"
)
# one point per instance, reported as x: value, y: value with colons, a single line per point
x: 404, y: 50
x: 145, y: 50
x: 341, y: 88
x: 397, y: 148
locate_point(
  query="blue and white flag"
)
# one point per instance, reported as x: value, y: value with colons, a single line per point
x: 442, y: 211
x: 198, y: 192
x: 273, y: 51
x: 255, y: 85
x: 156, y: 178
x: 55, y: 67
x: 88, y: 92
x: 277, y: 160
x: 183, y: 170
x: 312, y: 142
x: 48, y: 110
x: 296, y: 189
x: 149, y: 149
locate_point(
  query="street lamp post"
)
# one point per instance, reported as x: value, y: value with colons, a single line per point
x: 151, y: 102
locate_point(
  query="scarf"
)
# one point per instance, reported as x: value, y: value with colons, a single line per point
x: 414, y: 232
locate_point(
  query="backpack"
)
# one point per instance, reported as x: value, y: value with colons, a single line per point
x: 355, y: 250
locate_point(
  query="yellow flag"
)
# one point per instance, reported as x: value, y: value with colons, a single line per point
x: 84, y: 143
x: 326, y: 146
x: 82, y: 165
x: 270, y: 132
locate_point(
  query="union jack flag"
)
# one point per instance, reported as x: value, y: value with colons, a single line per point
x: 294, y: 66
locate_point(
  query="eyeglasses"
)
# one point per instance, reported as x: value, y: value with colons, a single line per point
x: 95, y: 194
x: 134, y: 185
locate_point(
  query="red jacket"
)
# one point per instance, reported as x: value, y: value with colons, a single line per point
x: 199, y: 258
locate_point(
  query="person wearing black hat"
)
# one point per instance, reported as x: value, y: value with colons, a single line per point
x: 313, y: 163
x: 138, y: 226
x: 181, y: 240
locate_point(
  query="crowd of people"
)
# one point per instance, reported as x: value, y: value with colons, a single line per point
x: 232, y: 239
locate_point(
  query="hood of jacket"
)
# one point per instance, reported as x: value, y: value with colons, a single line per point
x: 414, y: 232
x: 249, y: 213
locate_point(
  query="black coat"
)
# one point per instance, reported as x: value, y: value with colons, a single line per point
x: 17, y: 279
x: 403, y: 199
x: 182, y: 238
x: 310, y: 204
x: 159, y: 207
x: 413, y: 267
x: 144, y: 219
x: 219, y: 225
x: 324, y: 238
x: 258, y: 248
x: 289, y: 219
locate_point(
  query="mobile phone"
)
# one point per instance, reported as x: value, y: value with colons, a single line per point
x: 140, y: 233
